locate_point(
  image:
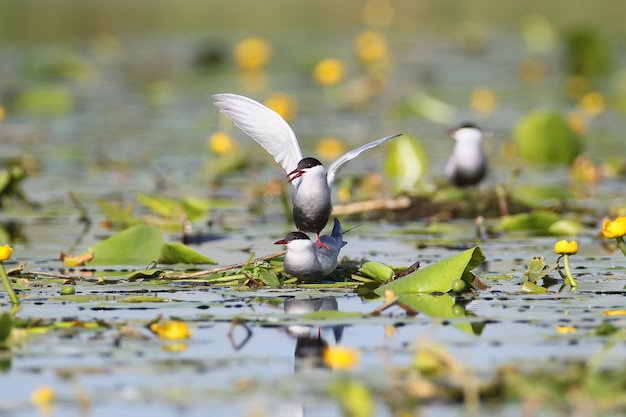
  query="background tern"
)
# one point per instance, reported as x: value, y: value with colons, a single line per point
x: 468, y: 163
x: 312, y: 185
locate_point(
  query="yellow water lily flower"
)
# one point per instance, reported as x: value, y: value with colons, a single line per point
x: 483, y: 100
x: 5, y: 252
x: 283, y: 104
x: 329, y: 71
x: 330, y: 148
x: 253, y: 53
x: 563, y: 247
x: 342, y: 358
x: 371, y: 46
x: 221, y: 143
x: 42, y: 396
x: 614, y: 228
x: 171, y: 330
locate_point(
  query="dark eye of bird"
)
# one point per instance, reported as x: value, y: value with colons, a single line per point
x: 308, y: 163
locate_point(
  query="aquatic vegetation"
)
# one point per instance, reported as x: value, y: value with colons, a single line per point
x: 5, y: 253
x: 544, y: 137
x: 565, y: 249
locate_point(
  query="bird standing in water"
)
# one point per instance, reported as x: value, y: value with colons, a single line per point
x: 468, y: 163
x: 312, y: 185
x: 307, y: 261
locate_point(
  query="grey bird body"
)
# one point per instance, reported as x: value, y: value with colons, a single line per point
x: 312, y: 184
x: 468, y: 162
x: 307, y: 261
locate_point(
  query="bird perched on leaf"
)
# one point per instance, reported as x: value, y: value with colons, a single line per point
x: 307, y: 261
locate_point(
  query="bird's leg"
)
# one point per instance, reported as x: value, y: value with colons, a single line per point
x: 320, y: 244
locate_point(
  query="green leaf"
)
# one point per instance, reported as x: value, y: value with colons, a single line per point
x: 405, y: 163
x: 376, y: 271
x: 269, y: 278
x: 120, y: 216
x: 176, y: 252
x: 565, y: 227
x: 441, y: 306
x: 437, y: 277
x: 537, y: 221
x: 195, y: 207
x: 163, y: 206
x: 544, y: 137
x: 532, y: 288
x: 143, y: 273
x: 137, y: 245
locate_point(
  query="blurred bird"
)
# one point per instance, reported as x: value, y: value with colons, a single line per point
x: 307, y: 261
x: 468, y: 163
x: 311, y: 196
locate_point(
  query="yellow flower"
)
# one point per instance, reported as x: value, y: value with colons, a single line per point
x: 330, y: 148
x: 253, y: 53
x: 566, y: 329
x: 593, y: 103
x: 221, y: 143
x: 329, y: 71
x: 3, y: 113
x: 342, y: 358
x: 563, y: 247
x: 483, y: 100
x: 614, y: 228
x: 371, y: 46
x: 171, y: 330
x: 42, y: 396
x: 5, y: 252
x: 283, y: 104
x: 614, y: 312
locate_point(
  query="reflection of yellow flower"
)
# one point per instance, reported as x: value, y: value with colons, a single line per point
x: 252, y: 53
x: 171, y: 330
x: 483, y: 100
x: 221, y: 143
x: 283, y: 104
x: 329, y: 71
x: 5, y: 252
x: 342, y: 358
x: 614, y: 312
x: 563, y: 247
x: 330, y: 148
x: 371, y: 46
x: 614, y: 228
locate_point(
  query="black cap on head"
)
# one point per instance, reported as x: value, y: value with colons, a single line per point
x: 296, y: 236
x: 468, y: 125
x: 308, y: 163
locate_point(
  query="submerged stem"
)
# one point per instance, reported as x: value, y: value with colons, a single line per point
x: 7, y: 284
x: 621, y: 244
x: 568, y: 272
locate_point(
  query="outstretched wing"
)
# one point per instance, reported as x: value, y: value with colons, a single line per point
x: 334, y: 167
x: 263, y: 125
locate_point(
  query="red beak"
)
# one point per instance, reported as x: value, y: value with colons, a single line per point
x: 280, y: 242
x: 296, y: 173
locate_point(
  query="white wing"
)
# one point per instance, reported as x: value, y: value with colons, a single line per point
x: 334, y: 167
x: 263, y: 125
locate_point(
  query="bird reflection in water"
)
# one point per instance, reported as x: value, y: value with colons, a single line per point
x: 310, y: 342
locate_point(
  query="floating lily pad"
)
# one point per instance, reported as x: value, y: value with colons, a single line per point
x: 437, y: 277
x: 140, y: 244
x: 176, y: 252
